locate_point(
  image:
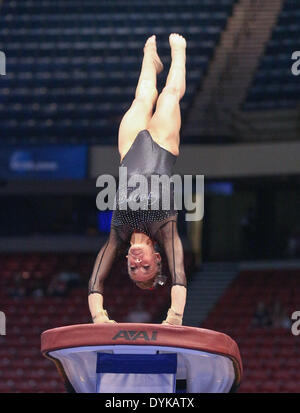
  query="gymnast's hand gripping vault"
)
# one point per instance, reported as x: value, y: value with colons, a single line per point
x: 148, y: 144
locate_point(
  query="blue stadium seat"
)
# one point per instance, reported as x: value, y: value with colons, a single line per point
x: 72, y: 67
x: 274, y: 86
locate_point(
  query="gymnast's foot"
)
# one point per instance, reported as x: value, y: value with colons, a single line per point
x: 178, y: 46
x: 150, y: 47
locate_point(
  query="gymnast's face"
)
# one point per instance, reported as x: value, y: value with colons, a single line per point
x: 142, y: 264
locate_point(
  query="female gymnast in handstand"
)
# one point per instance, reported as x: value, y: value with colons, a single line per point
x: 148, y: 144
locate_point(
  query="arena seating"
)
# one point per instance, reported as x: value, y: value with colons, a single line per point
x: 22, y: 367
x: 72, y: 68
x: 274, y: 85
x: 270, y: 354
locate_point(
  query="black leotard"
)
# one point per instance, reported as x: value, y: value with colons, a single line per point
x: 145, y: 157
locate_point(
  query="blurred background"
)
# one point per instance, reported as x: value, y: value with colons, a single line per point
x: 71, y: 72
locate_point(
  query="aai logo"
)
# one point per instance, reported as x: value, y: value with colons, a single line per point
x: 129, y: 335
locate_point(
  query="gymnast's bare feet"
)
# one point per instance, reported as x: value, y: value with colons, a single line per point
x: 176, y: 76
x: 150, y: 47
x: 178, y: 46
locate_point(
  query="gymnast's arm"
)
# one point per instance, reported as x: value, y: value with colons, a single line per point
x: 102, y: 267
x: 169, y: 239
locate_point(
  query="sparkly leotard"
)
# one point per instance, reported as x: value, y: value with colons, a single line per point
x: 145, y: 157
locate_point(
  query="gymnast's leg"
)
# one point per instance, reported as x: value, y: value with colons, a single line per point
x: 165, y: 124
x: 140, y: 112
x: 165, y: 128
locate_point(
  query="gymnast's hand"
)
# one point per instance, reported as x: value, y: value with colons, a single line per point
x: 173, y: 318
x: 102, y: 317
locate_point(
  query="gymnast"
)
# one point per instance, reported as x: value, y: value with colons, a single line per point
x: 148, y: 144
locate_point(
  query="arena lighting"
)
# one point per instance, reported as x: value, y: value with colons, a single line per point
x: 143, y: 358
